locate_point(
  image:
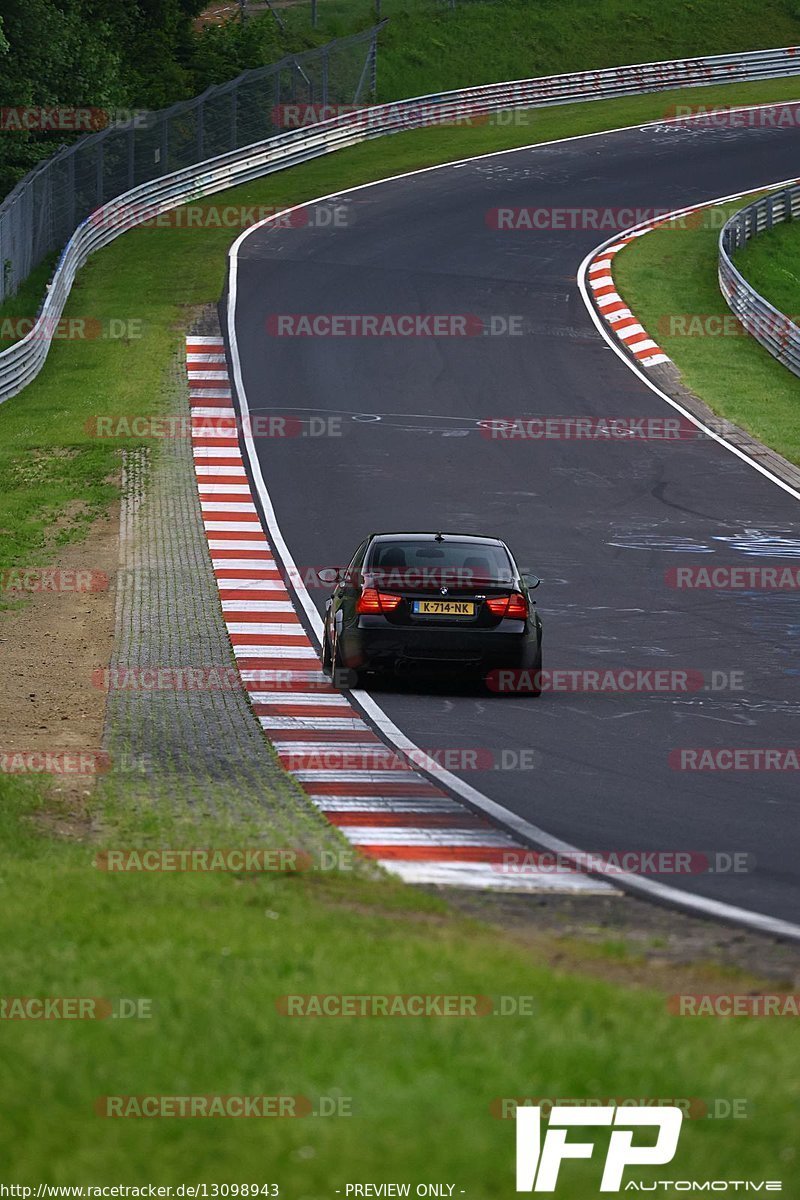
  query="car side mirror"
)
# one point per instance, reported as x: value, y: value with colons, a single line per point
x: 330, y: 574
x: 532, y: 581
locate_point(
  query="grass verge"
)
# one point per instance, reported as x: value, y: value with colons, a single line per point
x: 669, y: 279
x: 213, y: 954
x: 429, y: 46
x: 771, y: 263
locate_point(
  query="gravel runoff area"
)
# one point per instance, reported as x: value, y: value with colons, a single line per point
x: 195, y: 750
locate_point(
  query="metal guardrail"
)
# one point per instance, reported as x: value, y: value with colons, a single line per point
x: 44, y: 208
x: 21, y: 363
x: 767, y: 324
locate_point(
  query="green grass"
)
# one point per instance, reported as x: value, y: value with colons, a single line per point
x: 671, y: 274
x: 51, y: 468
x: 771, y: 263
x: 213, y: 953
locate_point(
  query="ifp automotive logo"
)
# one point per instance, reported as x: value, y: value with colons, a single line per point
x: 539, y: 1160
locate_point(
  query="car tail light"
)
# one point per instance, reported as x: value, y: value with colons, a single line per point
x: 515, y: 606
x: 373, y: 601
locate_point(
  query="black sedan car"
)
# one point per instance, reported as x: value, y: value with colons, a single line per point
x: 435, y: 601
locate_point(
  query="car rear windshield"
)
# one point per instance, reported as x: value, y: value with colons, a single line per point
x: 416, y: 561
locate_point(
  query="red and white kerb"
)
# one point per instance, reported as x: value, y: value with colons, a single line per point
x: 398, y: 816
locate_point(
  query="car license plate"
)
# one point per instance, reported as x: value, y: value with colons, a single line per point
x: 443, y: 608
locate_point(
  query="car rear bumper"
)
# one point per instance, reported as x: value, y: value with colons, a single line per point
x: 382, y: 646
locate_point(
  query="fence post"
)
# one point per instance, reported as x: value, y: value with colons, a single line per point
x: 277, y: 108
x: 3, y: 267
x: 234, y: 116
x: 99, y: 174
x: 325, y: 76
x: 131, y: 155
x: 164, y: 144
x: 70, y: 189
x: 201, y: 130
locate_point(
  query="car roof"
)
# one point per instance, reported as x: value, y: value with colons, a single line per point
x: 479, y: 539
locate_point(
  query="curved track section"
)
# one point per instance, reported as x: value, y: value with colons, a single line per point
x: 605, y: 522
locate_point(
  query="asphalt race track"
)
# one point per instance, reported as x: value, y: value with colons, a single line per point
x: 601, y: 522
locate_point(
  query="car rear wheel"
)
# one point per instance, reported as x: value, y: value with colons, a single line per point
x: 327, y: 657
x: 536, y: 671
x: 524, y: 681
x: 344, y: 676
